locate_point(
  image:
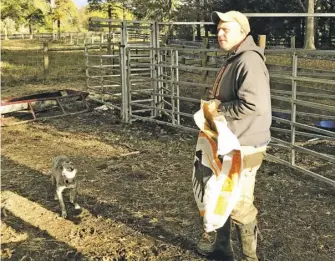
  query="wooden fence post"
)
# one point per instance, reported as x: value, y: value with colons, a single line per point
x: 262, y: 41
x: 6, y: 32
x: 46, y: 57
x: 85, y: 38
x: 293, y: 41
x: 65, y: 38
x: 113, y: 60
x: 204, y: 57
x: 109, y: 45
x: 193, y: 33
x: 110, y: 51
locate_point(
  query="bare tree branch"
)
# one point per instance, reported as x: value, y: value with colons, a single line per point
x: 303, y: 7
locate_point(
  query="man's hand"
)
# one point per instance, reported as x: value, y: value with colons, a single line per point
x: 210, y: 110
x: 213, y: 106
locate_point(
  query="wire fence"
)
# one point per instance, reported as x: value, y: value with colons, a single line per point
x: 152, y: 79
x: 168, y: 91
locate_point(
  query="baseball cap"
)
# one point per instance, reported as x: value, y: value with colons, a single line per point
x: 232, y: 16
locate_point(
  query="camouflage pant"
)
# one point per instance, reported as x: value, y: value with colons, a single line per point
x: 245, y: 212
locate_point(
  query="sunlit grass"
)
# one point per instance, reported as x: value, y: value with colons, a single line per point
x: 36, y: 44
x: 21, y: 44
x: 28, y: 66
x: 23, y: 62
x: 285, y: 60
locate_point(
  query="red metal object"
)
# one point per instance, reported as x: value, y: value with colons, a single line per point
x: 32, y: 103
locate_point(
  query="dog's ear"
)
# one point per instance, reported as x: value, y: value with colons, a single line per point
x: 71, y: 166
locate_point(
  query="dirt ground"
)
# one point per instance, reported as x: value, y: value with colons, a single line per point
x: 136, y: 195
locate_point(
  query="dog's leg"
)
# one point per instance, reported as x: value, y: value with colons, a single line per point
x: 53, y: 180
x: 59, y: 193
x: 53, y: 183
x: 73, y: 199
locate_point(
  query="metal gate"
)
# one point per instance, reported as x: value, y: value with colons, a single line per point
x: 107, y: 65
x: 151, y: 89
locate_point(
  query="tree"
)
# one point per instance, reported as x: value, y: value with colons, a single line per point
x: 36, y: 11
x: 159, y: 10
x: 65, y: 12
x: 309, y: 34
x: 303, y: 28
x: 24, y: 12
x: 34, y: 19
x: 10, y: 10
x: 115, y: 9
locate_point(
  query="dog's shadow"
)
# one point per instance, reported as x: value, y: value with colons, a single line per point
x: 37, y: 188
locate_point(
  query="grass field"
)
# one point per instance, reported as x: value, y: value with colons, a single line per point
x: 22, y: 61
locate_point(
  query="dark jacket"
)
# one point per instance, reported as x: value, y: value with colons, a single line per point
x: 244, y: 91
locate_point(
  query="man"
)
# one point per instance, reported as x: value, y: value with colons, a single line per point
x: 241, y: 93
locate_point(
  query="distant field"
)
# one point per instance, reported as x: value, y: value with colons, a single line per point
x: 31, y: 44
x: 22, y: 61
x: 286, y: 60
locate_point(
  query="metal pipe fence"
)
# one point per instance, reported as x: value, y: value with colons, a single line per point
x: 155, y: 86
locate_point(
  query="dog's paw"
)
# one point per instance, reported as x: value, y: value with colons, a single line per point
x: 56, y: 197
x: 76, y: 206
x: 64, y: 214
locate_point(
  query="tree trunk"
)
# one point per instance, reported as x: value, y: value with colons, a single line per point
x: 318, y: 32
x: 58, y: 25
x: 170, y: 10
x: 331, y: 26
x: 309, y: 33
x: 198, y: 20
x: 6, y: 29
x: 206, y: 16
x: 53, y: 30
x: 31, y: 31
x: 110, y: 18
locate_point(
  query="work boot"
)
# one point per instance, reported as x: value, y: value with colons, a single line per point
x: 216, y: 245
x: 248, y: 238
x: 206, y: 243
x: 223, y: 250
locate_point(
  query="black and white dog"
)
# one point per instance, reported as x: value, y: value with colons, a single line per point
x: 63, y: 175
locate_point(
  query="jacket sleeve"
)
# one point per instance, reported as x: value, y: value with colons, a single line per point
x: 252, y: 87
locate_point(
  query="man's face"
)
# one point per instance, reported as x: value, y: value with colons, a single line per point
x: 230, y: 34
